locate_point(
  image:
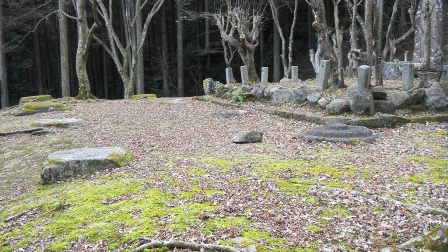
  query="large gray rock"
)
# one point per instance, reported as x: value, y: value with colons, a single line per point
x: 230, y: 113
x: 65, y: 165
x: 59, y: 123
x: 323, y: 102
x: 248, y: 137
x: 282, y: 96
x: 297, y: 95
x: 337, y: 107
x: 258, y: 91
x: 437, y: 96
x: 404, y: 99
x: 269, y: 90
x: 391, y: 71
x: 360, y: 100
x: 383, y: 106
x: 338, y: 132
x: 314, y: 97
x: 246, y: 88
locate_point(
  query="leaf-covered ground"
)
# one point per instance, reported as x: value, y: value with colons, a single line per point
x: 189, y: 182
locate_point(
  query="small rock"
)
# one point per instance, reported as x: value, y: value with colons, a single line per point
x: 248, y: 137
x: 323, y: 102
x: 337, y: 107
x: 300, y: 94
x: 314, y: 97
x: 360, y: 100
x: 269, y: 90
x: 258, y: 91
x: 246, y: 89
x: 379, y: 93
x: 437, y: 96
x: 339, y: 132
x: 404, y: 99
x: 220, y: 89
x: 282, y: 96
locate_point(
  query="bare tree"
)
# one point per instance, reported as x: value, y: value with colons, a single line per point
x: 63, y: 44
x: 324, y: 45
x: 84, y: 38
x: 337, y: 42
x: 3, y: 76
x: 125, y: 53
x: 165, y: 70
x: 243, y: 33
x: 428, y: 8
x: 180, y: 51
x: 274, y: 9
x: 353, y: 55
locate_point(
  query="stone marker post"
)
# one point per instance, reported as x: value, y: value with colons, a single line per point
x: 408, y: 76
x: 264, y: 74
x: 324, y: 74
x: 295, y: 74
x: 445, y: 73
x: 229, y: 75
x: 364, y: 75
x: 244, y: 75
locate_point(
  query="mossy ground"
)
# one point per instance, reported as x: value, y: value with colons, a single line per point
x: 268, y: 195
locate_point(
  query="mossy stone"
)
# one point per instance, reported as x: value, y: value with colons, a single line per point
x: 36, y: 98
x: 143, y: 96
x: 42, y: 107
x: 437, y: 239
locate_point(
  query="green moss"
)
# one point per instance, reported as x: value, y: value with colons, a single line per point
x: 122, y: 159
x: 36, y: 98
x: 437, y: 170
x: 143, y: 96
x: 313, y: 228
x: 336, y: 211
x: 225, y: 222
x: 197, y: 171
x: 44, y: 106
x: 256, y: 236
x: 318, y: 226
x: 187, y: 215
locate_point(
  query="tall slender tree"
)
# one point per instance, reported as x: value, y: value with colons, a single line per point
x: 180, y: 51
x: 3, y: 75
x: 63, y: 45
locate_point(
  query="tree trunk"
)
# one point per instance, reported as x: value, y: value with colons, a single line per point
x: 180, y: 52
x: 63, y: 43
x: 426, y: 44
x: 352, y: 57
x: 251, y: 67
x: 166, y: 88
x: 3, y: 75
x: 339, y: 51
x: 140, y: 60
x: 37, y: 62
x: 379, y: 43
x: 368, y: 23
x: 207, y: 35
x: 81, y: 53
x: 276, y: 57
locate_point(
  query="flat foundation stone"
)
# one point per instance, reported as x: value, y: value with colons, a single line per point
x: 30, y: 108
x: 339, y: 132
x: 248, y: 137
x: 230, y: 113
x: 69, y: 164
x: 59, y: 123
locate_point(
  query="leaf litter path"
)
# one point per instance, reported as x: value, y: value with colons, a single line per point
x: 189, y: 182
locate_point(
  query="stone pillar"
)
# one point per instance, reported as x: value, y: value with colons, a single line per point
x: 408, y: 76
x: 265, y: 74
x: 229, y: 75
x: 445, y: 73
x: 244, y: 75
x: 364, y: 75
x: 295, y: 74
x: 324, y: 74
